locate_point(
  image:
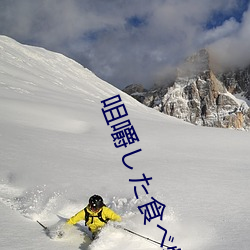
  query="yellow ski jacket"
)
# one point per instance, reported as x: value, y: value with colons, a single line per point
x: 94, y: 223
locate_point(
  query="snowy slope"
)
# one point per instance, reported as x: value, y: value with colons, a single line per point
x: 56, y: 151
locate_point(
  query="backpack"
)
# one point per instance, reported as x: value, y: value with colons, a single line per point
x: 99, y: 215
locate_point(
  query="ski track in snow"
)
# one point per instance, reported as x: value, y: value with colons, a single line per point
x: 39, y: 204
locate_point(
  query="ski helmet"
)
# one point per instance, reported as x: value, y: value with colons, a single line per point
x: 95, y: 202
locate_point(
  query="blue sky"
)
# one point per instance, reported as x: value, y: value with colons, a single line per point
x: 218, y: 17
x: 131, y: 41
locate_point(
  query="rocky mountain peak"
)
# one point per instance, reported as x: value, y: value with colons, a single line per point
x: 196, y: 64
x: 200, y: 96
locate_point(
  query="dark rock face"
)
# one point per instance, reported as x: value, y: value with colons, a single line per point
x: 137, y: 91
x: 199, y: 96
x: 237, y: 81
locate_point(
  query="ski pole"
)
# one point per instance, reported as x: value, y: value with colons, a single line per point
x: 146, y: 238
x: 45, y: 228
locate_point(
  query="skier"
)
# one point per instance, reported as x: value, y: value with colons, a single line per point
x: 95, y: 214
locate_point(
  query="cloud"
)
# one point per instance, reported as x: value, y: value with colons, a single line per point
x: 125, y: 42
x: 228, y: 28
x: 233, y: 49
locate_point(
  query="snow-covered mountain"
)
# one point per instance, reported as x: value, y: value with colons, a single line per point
x: 57, y: 150
x: 201, y: 95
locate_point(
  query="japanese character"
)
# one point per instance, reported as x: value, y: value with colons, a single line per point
x: 121, y: 125
x: 170, y: 239
x: 164, y: 236
x: 152, y: 210
x: 106, y: 102
x: 114, y: 113
x: 135, y: 191
x: 119, y: 136
x: 123, y: 158
x: 128, y: 133
x: 131, y: 135
x: 144, y: 179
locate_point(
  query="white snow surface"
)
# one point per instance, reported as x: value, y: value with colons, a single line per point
x: 56, y: 151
